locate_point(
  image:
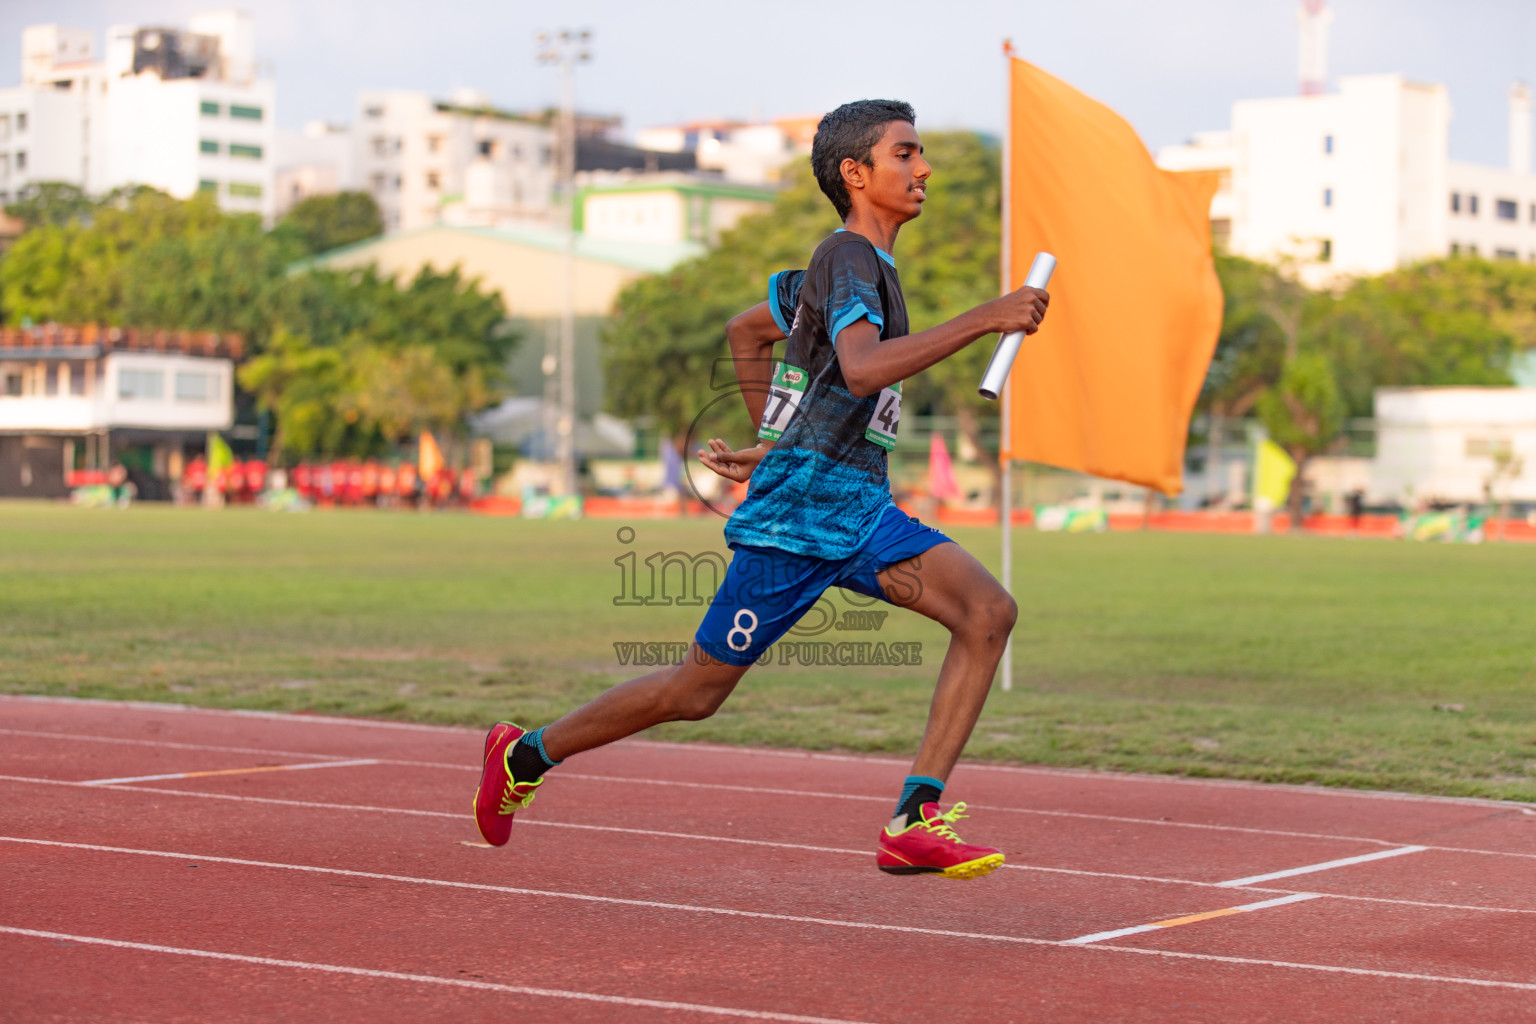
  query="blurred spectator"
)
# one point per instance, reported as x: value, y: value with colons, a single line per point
x: 1354, y: 503
x: 195, y: 479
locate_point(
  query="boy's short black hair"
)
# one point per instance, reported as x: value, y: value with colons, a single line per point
x: 850, y: 132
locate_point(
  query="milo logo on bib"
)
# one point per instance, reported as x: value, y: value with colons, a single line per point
x: 784, y: 396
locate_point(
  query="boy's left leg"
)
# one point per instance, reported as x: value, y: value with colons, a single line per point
x: 948, y: 585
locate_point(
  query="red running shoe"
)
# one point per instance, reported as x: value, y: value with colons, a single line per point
x: 930, y: 847
x: 500, y: 796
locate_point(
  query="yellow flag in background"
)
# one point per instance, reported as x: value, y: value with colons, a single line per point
x: 1108, y: 384
x: 1272, y: 473
x: 220, y: 457
x: 429, y: 458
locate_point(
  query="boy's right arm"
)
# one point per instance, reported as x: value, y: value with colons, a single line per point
x: 751, y: 335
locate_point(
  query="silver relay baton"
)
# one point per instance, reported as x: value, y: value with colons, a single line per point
x: 1008, y: 346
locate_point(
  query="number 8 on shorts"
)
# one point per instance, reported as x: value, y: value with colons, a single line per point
x: 746, y: 631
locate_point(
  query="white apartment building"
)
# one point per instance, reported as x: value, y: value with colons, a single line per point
x: 462, y: 161
x: 1359, y: 181
x: 179, y: 110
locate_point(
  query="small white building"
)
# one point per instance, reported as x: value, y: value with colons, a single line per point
x: 1454, y: 445
x: 83, y: 397
x: 462, y: 161
x: 181, y: 110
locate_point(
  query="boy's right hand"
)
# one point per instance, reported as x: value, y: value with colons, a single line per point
x: 736, y: 466
x: 1020, y: 310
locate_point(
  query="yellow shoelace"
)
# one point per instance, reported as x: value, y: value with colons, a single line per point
x: 509, y: 802
x: 942, y: 825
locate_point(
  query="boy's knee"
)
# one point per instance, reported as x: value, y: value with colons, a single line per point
x: 1007, y: 612
x: 695, y: 707
x: 694, y: 703
x: 992, y: 616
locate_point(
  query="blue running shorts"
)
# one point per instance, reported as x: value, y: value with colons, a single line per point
x: 766, y: 591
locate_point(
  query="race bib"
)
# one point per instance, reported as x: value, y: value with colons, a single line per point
x: 887, y: 415
x: 784, y: 396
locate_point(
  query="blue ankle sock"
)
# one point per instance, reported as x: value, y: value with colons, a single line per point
x: 535, y: 739
x: 527, y: 759
x: 918, y: 790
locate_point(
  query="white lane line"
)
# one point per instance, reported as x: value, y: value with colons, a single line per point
x: 1082, y: 774
x: 281, y: 716
x: 1327, y: 865
x: 228, y: 771
x: 427, y: 979
x: 169, y: 745
x: 1248, y: 961
x: 1174, y: 922
x: 695, y: 837
x: 800, y: 793
x: 538, y: 893
x: 788, y: 918
x: 1097, y: 775
x: 1083, y: 815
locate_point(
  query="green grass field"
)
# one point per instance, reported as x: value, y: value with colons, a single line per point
x: 1284, y: 659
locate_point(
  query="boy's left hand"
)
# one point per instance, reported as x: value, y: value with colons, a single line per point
x: 733, y: 465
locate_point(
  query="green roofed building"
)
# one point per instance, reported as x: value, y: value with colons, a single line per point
x: 665, y: 209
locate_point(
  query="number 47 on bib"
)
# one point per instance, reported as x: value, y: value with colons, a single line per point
x: 887, y: 414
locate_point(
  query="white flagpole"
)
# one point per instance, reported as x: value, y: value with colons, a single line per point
x: 1005, y: 439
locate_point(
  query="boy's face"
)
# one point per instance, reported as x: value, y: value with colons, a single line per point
x: 898, y: 180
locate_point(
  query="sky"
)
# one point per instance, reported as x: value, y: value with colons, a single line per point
x: 1171, y: 68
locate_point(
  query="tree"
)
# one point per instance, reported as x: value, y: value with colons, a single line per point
x: 1438, y: 323
x: 304, y: 385
x: 401, y: 393
x: 224, y: 279
x: 1258, y: 300
x: 321, y: 223
x: 54, y: 203
x: 1303, y: 412
x: 347, y: 360
x: 77, y: 271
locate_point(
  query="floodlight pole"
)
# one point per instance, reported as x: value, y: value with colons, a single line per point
x: 566, y: 49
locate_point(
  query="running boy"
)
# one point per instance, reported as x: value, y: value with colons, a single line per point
x: 819, y: 512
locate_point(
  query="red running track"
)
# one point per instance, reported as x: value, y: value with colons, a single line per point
x: 305, y: 868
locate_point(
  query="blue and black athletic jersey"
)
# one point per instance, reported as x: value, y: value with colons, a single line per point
x: 784, y: 296
x: 821, y: 489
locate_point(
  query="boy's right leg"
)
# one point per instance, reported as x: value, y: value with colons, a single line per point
x: 686, y: 692
x: 764, y: 593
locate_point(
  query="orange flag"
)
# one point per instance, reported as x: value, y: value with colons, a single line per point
x: 429, y: 458
x: 1108, y: 384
